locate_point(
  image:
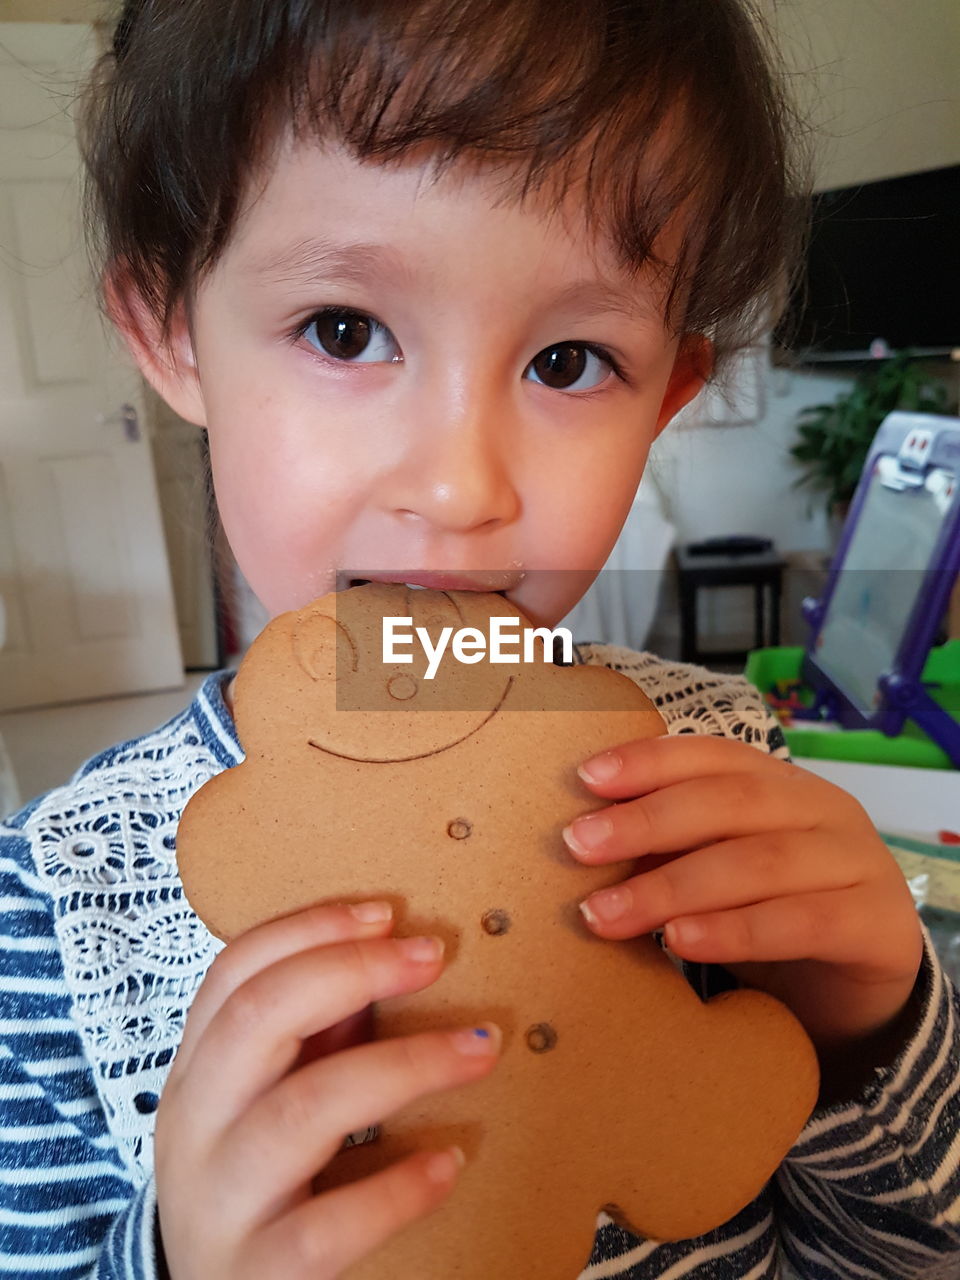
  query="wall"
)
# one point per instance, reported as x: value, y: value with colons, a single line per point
x: 878, y: 79
x: 53, y: 10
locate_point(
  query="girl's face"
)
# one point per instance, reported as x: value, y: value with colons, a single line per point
x: 476, y: 399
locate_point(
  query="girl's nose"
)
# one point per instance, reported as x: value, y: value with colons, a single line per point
x: 456, y: 477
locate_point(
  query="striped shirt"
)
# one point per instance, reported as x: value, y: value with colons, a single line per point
x: 101, y: 956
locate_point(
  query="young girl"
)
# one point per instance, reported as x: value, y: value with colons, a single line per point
x: 433, y: 275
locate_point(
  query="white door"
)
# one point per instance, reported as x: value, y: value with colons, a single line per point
x: 181, y: 468
x: 83, y: 566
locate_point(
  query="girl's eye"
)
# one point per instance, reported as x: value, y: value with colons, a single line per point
x: 346, y: 335
x: 564, y: 365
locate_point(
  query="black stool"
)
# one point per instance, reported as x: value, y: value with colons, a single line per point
x: 760, y: 570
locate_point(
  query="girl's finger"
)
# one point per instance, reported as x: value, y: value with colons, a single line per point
x: 268, y: 943
x: 690, y: 813
x: 355, y: 1029
x: 296, y: 1129
x: 256, y: 1035
x: 643, y: 765
x: 721, y: 877
x: 330, y: 1232
x: 835, y: 927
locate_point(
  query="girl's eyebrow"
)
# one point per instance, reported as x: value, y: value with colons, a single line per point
x: 312, y: 261
x: 306, y: 261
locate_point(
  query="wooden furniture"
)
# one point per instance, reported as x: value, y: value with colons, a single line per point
x: 763, y: 571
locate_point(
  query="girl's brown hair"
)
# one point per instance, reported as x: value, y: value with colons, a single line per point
x: 660, y: 103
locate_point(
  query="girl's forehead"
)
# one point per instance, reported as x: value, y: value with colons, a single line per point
x: 312, y: 183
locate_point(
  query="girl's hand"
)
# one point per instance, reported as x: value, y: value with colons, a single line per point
x: 768, y: 870
x: 243, y: 1127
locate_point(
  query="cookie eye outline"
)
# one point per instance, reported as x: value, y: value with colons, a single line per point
x: 401, y: 697
x: 307, y: 646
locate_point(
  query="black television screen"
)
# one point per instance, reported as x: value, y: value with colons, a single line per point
x: 883, y: 267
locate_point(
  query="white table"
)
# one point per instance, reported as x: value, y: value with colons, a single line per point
x: 910, y: 802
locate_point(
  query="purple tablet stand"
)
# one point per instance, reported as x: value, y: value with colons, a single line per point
x: 872, y: 630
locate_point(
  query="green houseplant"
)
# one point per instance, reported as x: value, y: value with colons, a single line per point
x: 834, y: 438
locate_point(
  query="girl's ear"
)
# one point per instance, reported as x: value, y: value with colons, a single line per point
x: 691, y: 369
x: 171, y: 368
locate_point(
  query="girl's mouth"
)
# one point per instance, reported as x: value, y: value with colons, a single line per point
x: 436, y: 581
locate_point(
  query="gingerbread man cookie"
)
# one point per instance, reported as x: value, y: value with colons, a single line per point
x: 618, y: 1088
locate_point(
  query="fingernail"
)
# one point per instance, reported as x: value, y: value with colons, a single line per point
x: 588, y: 833
x: 371, y: 912
x: 421, y: 950
x: 483, y: 1041
x: 684, y: 933
x: 443, y: 1166
x: 607, y: 905
x: 601, y: 768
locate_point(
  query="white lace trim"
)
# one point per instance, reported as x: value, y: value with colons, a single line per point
x: 693, y: 699
x: 134, y: 953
